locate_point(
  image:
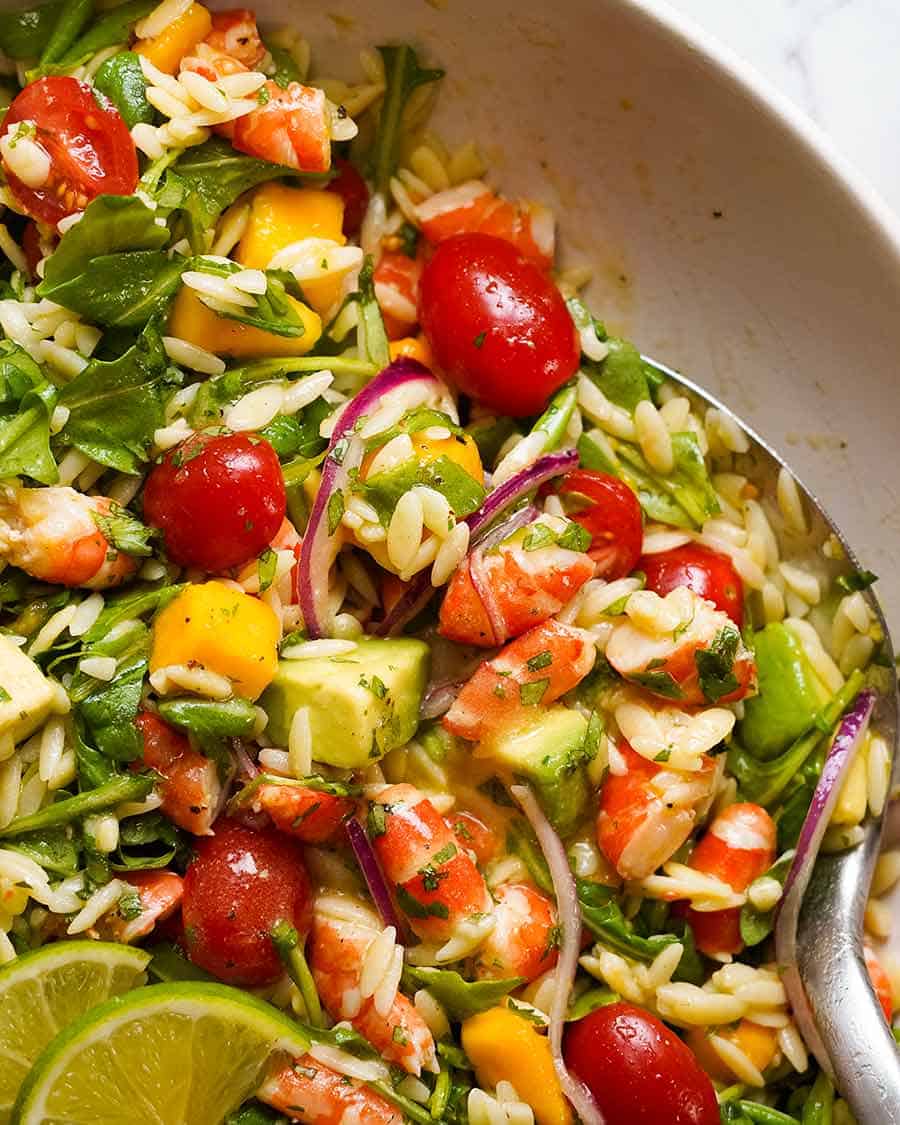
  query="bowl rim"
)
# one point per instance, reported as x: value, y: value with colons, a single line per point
x: 794, y: 121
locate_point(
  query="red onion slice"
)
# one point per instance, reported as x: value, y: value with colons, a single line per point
x: 345, y: 452
x: 569, y: 918
x: 482, y: 583
x: 844, y: 748
x: 420, y: 591
x: 373, y: 875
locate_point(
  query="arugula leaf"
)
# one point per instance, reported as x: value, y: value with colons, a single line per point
x: 460, y: 998
x: 371, y: 335
x: 589, y: 1001
x: 168, y: 963
x: 129, y: 604
x: 857, y: 580
x: 116, y: 406
x: 27, y: 400
x: 403, y: 75
x: 602, y: 915
x: 715, y: 665
x: 110, y: 267
x: 410, y: 905
x: 54, y: 849
x: 209, y: 718
x: 147, y: 842
x: 124, y: 532
x: 127, y: 787
x: 756, y: 925
x: 660, y: 683
x: 254, y: 1113
x: 111, y: 29
x: 273, y: 313
x: 24, y: 34
x: 121, y: 79
x: 209, y: 177
x: 383, y: 490
x: 286, y: 69
x: 73, y: 16
x: 109, y: 712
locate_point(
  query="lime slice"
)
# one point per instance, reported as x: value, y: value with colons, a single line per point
x: 42, y: 992
x: 170, y: 1054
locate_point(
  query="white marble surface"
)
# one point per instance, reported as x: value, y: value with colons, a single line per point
x: 839, y: 60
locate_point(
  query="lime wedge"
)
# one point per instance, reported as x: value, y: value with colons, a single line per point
x: 42, y: 992
x: 170, y: 1054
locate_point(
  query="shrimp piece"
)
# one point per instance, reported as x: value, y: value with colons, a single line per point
x: 396, y: 281
x: 647, y: 811
x: 474, y: 835
x: 681, y: 647
x: 472, y: 207
x: 525, y: 939
x: 160, y: 894
x: 51, y: 534
x: 535, y: 669
x: 312, y: 816
x: 212, y: 63
x: 439, y: 888
x: 292, y: 128
x: 234, y: 33
x: 881, y: 982
x: 525, y: 588
x: 342, y: 933
x: 737, y: 848
x: 310, y: 1092
x: 191, y: 789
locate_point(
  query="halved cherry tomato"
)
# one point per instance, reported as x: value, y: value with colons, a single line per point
x: 91, y: 151
x: 707, y: 573
x: 607, y: 508
x: 638, y: 1071
x: 881, y: 982
x: 239, y: 884
x: 351, y: 187
x: 218, y: 500
x: 498, y: 327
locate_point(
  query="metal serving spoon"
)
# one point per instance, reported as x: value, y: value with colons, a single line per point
x: 855, y: 1046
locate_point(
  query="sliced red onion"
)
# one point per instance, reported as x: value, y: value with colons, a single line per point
x: 420, y: 591
x: 482, y: 583
x: 569, y: 918
x: 345, y: 452
x: 373, y: 874
x: 846, y: 744
x: 439, y: 698
x: 520, y: 518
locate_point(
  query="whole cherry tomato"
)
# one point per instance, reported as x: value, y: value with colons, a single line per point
x: 351, y: 187
x: 707, y: 573
x: 239, y: 884
x: 498, y: 326
x: 218, y: 500
x: 607, y: 508
x: 639, y: 1072
x: 91, y: 151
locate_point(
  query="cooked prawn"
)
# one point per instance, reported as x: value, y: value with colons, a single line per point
x: 310, y: 1092
x: 235, y: 33
x: 439, y: 888
x: 52, y: 534
x: 343, y: 931
x: 396, y: 280
x: 525, y: 939
x: 191, y: 789
x: 533, y: 670
x: 524, y: 588
x: 472, y: 206
x: 311, y: 815
x: 160, y: 894
x: 647, y: 811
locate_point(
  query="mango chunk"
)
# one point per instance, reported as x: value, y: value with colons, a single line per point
x: 191, y: 320
x: 226, y: 631
x: 281, y: 215
x: 181, y: 36
x: 503, y: 1047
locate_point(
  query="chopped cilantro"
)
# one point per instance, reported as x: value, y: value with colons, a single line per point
x: 660, y: 683
x: 5, y: 697
x: 542, y: 660
x: 400, y: 1036
x: 130, y: 906
x: 858, y: 580
x: 575, y: 538
x: 409, y: 239
x: 532, y: 693
x: 479, y: 340
x: 376, y: 821
x: 447, y: 852
x: 538, y: 536
x: 415, y: 909
x: 123, y: 532
x: 335, y: 511
x: 715, y: 664
x: 663, y: 756
x: 266, y: 565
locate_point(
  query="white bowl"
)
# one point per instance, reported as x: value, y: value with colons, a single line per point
x: 728, y: 241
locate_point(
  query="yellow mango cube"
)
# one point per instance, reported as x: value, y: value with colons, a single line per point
x: 224, y: 630
x: 503, y: 1047
x: 281, y: 215
x: 167, y: 50
x: 193, y: 321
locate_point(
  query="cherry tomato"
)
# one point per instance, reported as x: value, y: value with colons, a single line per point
x: 239, y: 884
x: 91, y: 151
x: 707, y: 573
x: 881, y: 982
x: 218, y: 500
x: 639, y: 1072
x: 498, y: 327
x: 351, y: 187
x: 609, y: 510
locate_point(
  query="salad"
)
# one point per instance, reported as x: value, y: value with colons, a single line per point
x: 413, y: 681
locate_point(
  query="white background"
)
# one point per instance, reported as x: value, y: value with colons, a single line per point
x: 837, y: 59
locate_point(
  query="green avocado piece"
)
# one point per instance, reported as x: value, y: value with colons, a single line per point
x: 549, y: 755
x: 361, y: 704
x: 790, y: 694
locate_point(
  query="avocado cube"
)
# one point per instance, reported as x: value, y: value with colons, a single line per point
x: 26, y: 695
x: 549, y: 755
x: 790, y: 694
x: 361, y: 704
